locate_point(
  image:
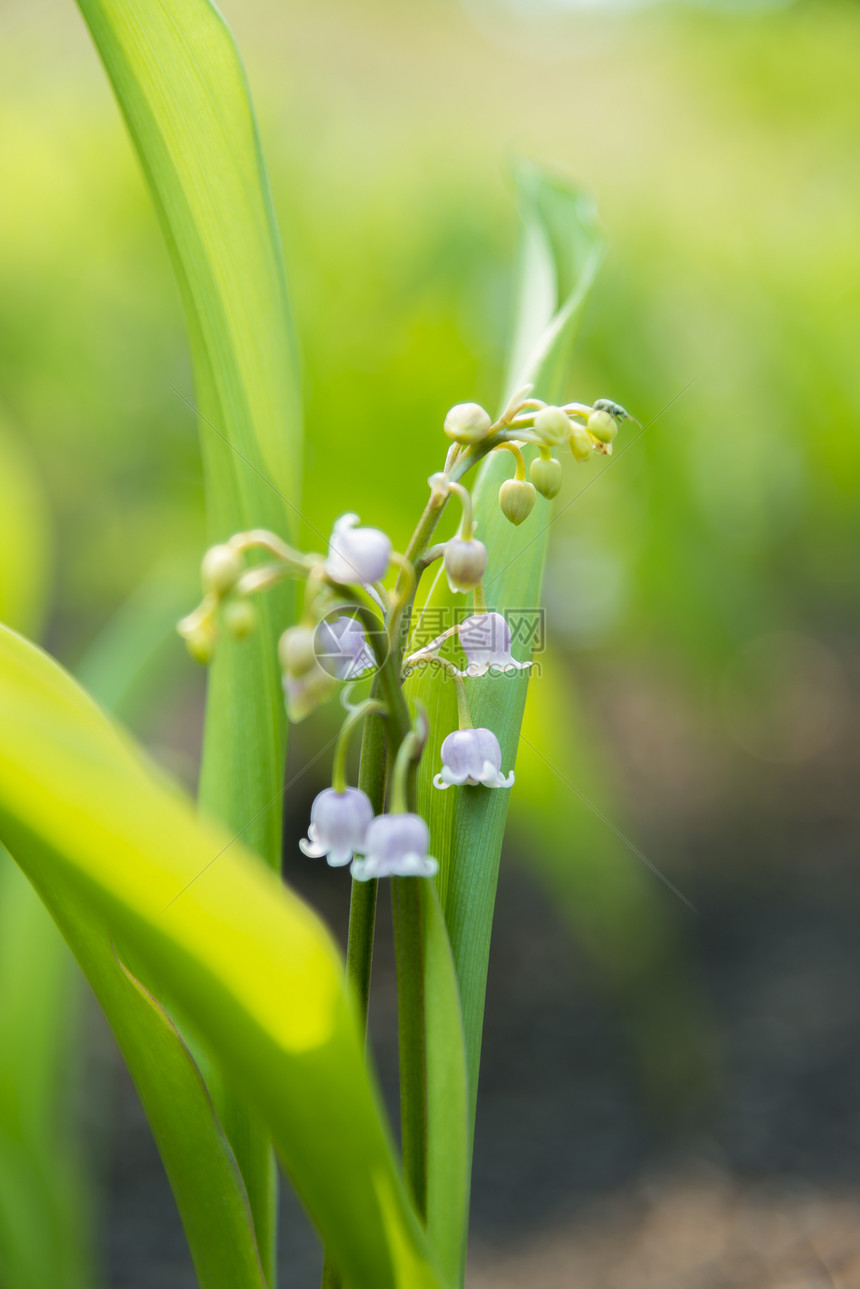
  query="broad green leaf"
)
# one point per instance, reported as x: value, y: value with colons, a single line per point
x: 447, y: 1095
x: 562, y: 249
x: 44, y: 1218
x: 257, y: 971
x: 199, y: 1162
x: 216, y: 1215
x: 182, y: 90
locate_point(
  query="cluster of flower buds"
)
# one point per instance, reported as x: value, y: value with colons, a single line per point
x: 352, y: 626
x: 227, y: 584
x: 530, y: 421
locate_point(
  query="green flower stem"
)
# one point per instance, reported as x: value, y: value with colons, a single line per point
x: 427, y: 524
x: 520, y: 472
x: 465, y: 498
x: 406, y: 897
x: 464, y: 715
x: 402, y: 796
x: 381, y: 742
x: 362, y: 905
x: 429, y: 557
x: 358, y: 714
x: 362, y: 908
x: 380, y: 748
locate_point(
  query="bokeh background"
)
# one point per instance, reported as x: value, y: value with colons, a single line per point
x: 671, y: 1066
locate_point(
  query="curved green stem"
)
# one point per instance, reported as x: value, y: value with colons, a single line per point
x: 520, y: 459
x: 465, y: 498
x: 464, y: 715
x: 358, y: 714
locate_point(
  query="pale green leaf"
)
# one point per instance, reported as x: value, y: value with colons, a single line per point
x: 447, y: 1095
x: 44, y: 1217
x: 203, y: 1173
x: 81, y: 810
x: 182, y: 90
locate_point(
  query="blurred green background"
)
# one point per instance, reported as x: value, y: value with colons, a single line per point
x: 700, y: 689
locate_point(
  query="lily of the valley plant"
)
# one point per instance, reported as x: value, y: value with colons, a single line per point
x: 352, y: 624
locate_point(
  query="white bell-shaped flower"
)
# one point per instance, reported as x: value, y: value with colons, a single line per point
x: 472, y: 756
x: 486, y: 641
x: 395, y: 846
x: 342, y: 650
x: 357, y: 556
x: 338, y: 827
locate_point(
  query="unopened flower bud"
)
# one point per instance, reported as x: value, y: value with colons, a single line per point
x: 220, y: 569
x: 296, y: 652
x: 602, y: 426
x: 200, y: 642
x: 467, y: 423
x: 240, y: 618
x: 546, y: 476
x: 581, y: 444
x: 465, y: 563
x: 552, y: 425
x: 516, y: 498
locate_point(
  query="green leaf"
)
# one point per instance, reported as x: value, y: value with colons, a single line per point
x: 44, y: 1217
x: 216, y: 1215
x: 562, y: 250
x: 245, y: 959
x: 182, y: 90
x: 447, y: 1095
x: 121, y: 666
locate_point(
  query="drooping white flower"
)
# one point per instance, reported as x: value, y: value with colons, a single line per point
x: 342, y: 650
x: 472, y: 756
x: 357, y: 555
x: 486, y: 641
x: 338, y: 827
x: 395, y: 846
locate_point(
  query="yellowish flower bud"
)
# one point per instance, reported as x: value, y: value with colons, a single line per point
x: 240, y: 618
x: 581, y: 444
x: 296, y: 653
x: 467, y: 423
x: 465, y: 563
x: 200, y: 642
x: 602, y: 426
x: 516, y: 498
x: 220, y: 569
x: 552, y: 425
x: 546, y: 476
